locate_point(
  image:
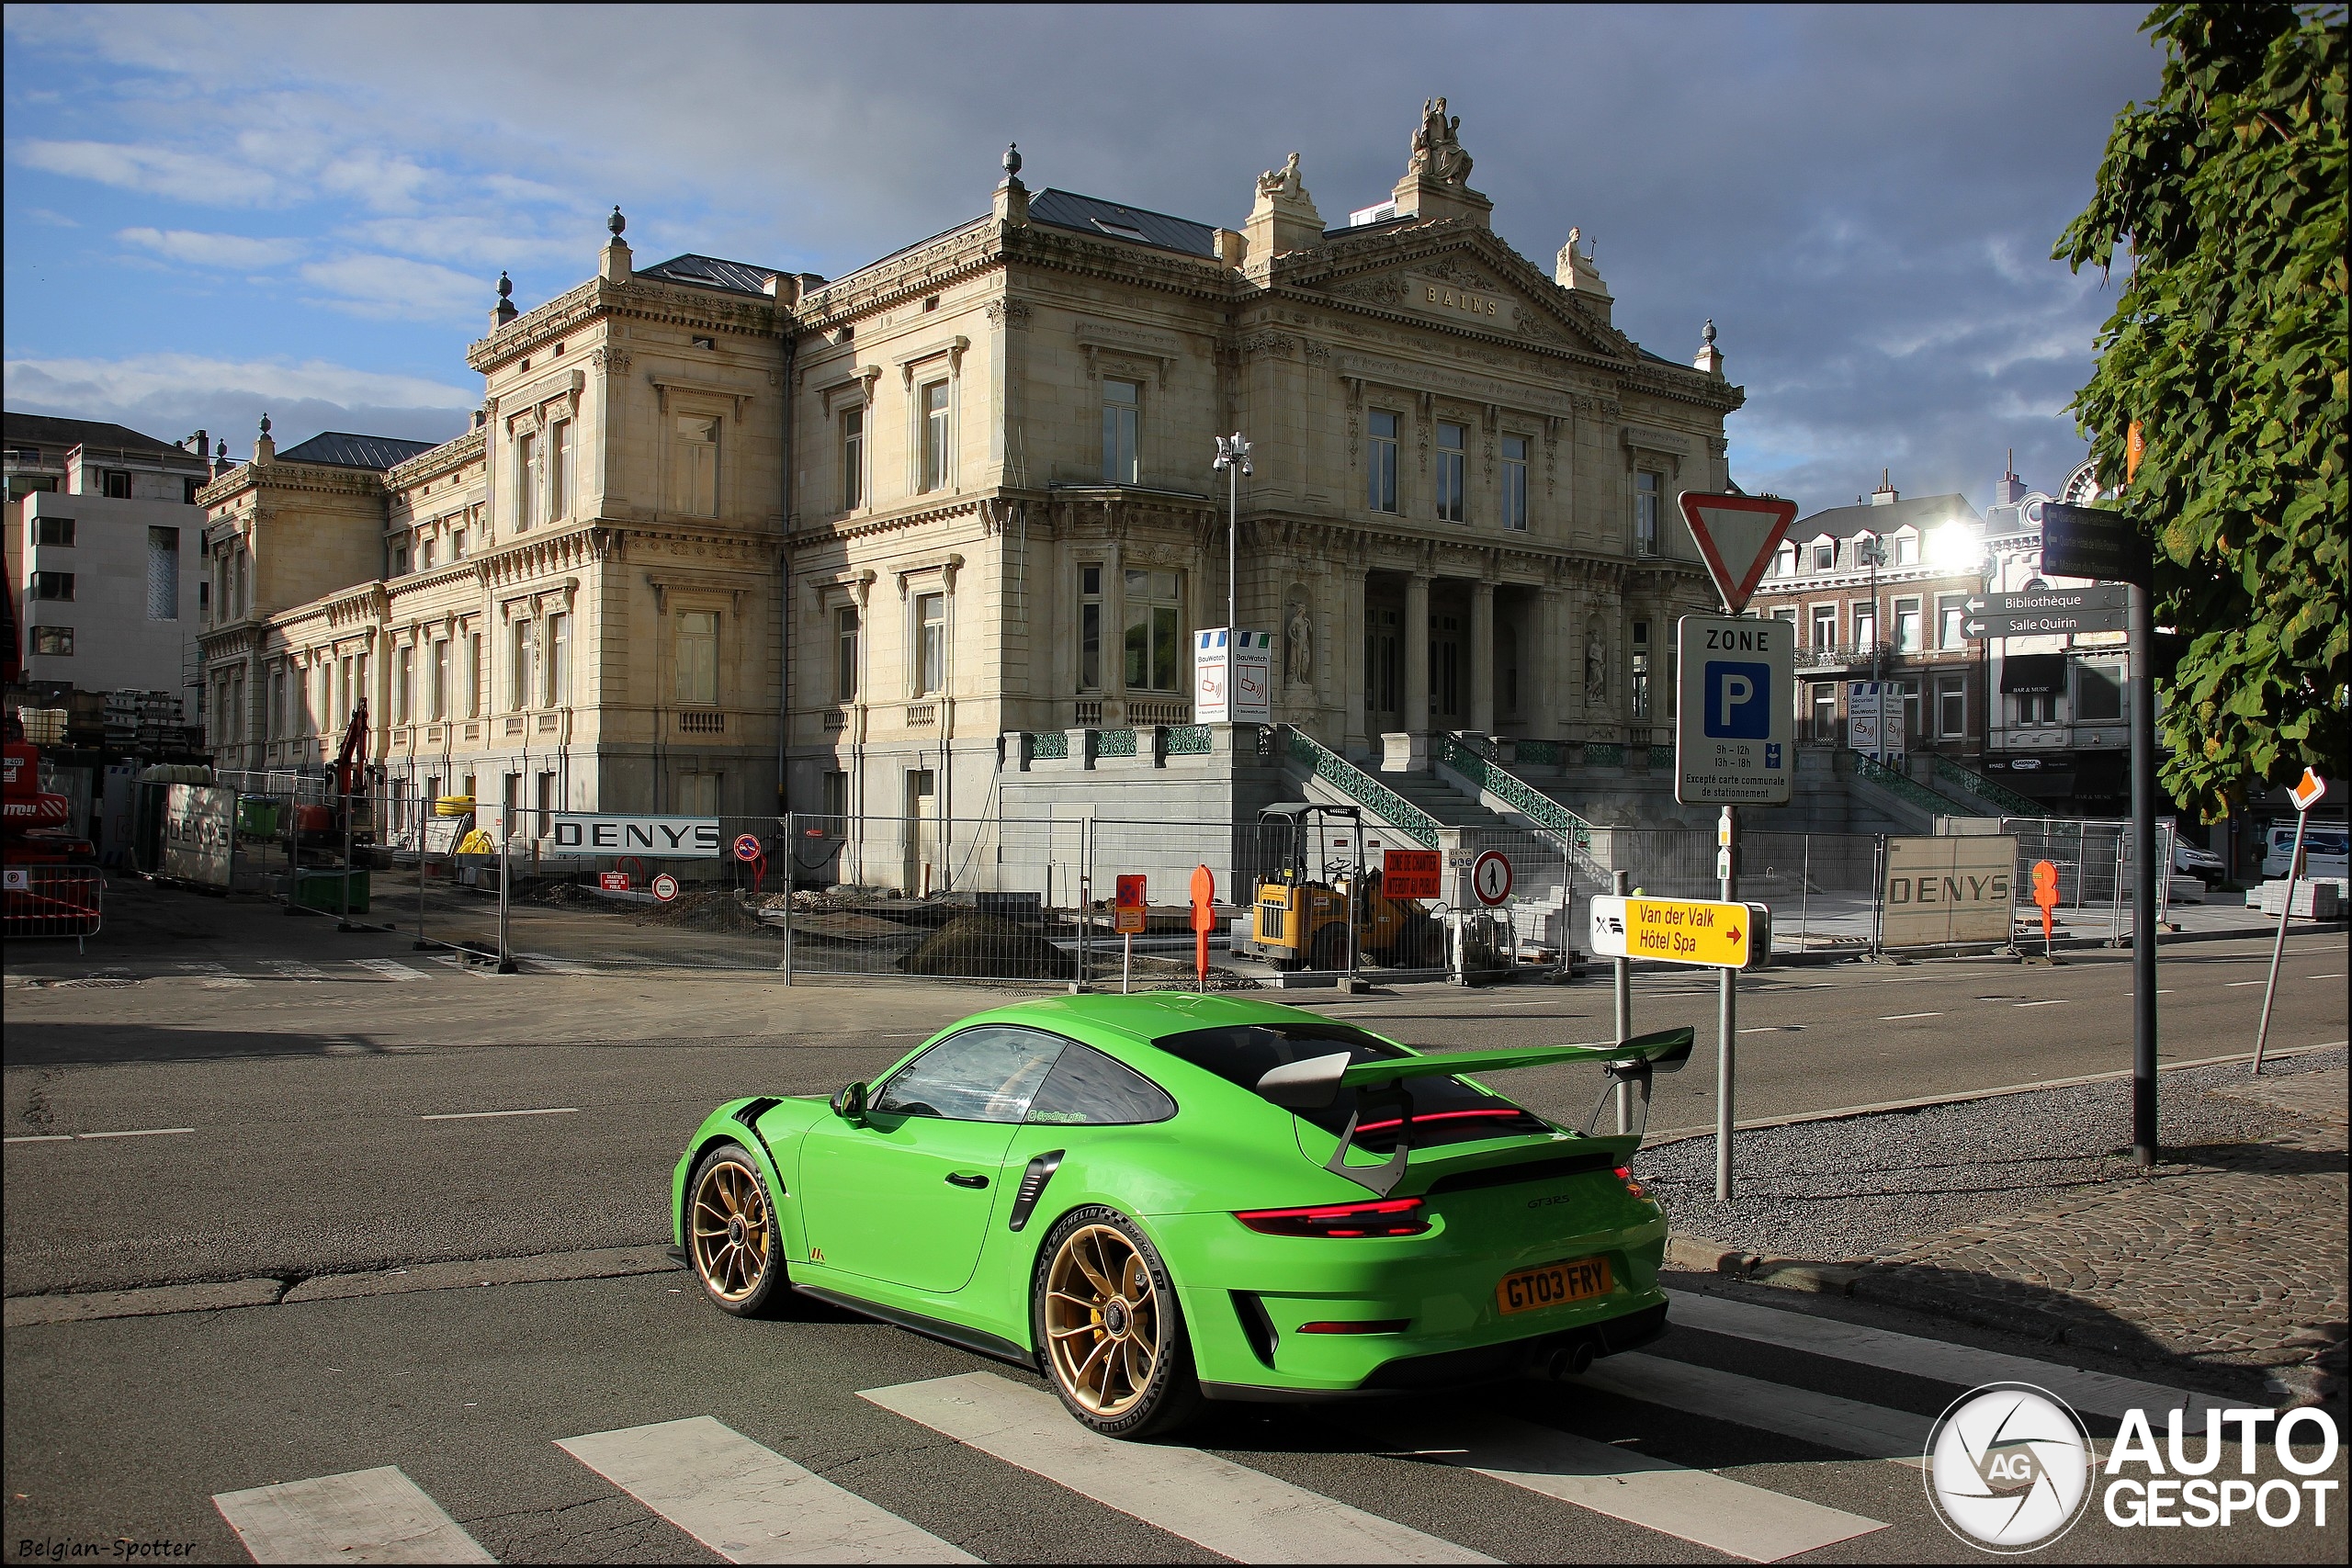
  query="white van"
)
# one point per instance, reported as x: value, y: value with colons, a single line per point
x: 2328, y: 851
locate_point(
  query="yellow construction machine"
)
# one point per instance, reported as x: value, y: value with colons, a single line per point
x: 1298, y: 917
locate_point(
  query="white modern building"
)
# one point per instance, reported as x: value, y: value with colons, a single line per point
x: 106, y: 556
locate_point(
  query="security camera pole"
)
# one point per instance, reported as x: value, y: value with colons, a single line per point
x: 1733, y: 727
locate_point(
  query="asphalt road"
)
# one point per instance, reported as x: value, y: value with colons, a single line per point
x: 328, y: 1117
x: 129, y: 1429
x: 331, y: 1117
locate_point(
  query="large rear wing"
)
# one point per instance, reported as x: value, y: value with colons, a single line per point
x: 1384, y: 1083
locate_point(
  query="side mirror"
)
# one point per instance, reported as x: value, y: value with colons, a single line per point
x: 848, y: 1104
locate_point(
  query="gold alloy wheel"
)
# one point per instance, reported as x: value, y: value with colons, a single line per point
x: 730, y: 1230
x: 1102, y: 1320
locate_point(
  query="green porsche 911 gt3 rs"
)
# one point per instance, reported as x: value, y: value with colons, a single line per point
x: 1165, y: 1198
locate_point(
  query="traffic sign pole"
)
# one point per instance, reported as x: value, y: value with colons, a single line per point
x: 1730, y: 756
x: 1726, y: 1017
x: 1624, y: 987
x: 2307, y: 796
x: 2144, y: 895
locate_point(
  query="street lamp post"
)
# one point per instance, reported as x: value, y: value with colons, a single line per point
x: 1233, y: 457
x: 1873, y: 555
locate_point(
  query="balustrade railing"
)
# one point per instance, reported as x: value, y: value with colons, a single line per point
x: 1361, y: 787
x: 1970, y: 781
x: 1562, y: 828
x: 1896, y: 781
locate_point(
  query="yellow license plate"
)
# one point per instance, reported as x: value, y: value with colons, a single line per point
x: 1525, y: 1289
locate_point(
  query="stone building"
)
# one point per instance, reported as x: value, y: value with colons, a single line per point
x: 1461, y: 517
x: 911, y: 542
x: 573, y: 605
x: 1902, y: 620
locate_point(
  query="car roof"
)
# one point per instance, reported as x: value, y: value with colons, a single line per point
x: 1151, y: 1016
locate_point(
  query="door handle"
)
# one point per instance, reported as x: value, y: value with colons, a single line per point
x: 958, y: 1179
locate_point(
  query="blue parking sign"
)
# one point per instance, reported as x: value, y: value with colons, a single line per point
x: 1735, y: 720
x: 1739, y: 701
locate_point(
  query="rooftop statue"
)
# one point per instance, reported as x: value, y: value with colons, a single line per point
x: 1437, y: 146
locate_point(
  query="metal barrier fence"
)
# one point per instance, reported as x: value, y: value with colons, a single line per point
x: 1028, y: 901
x: 42, y: 901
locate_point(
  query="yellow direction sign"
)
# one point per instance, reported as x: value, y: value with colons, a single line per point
x: 1682, y: 931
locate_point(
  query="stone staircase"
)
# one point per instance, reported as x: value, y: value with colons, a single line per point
x: 1438, y: 796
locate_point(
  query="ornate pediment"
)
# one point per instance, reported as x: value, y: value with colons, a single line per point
x: 1460, y: 284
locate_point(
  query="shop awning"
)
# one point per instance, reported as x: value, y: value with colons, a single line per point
x: 2032, y: 674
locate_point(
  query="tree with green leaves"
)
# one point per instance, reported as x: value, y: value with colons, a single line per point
x: 2228, y: 349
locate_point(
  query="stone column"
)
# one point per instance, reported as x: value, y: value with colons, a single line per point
x: 1348, y: 657
x: 1553, y: 670
x: 1417, y: 655
x: 1482, y: 657
x: 1114, y: 632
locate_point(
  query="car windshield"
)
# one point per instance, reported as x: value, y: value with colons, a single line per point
x: 1445, y: 1109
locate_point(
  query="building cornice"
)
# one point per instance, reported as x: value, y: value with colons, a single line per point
x: 278, y: 475
x: 450, y: 456
x: 673, y: 304
x: 818, y: 535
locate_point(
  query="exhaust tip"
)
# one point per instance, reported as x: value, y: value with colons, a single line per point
x: 1579, y: 1360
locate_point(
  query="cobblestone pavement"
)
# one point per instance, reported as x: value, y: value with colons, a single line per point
x: 2233, y: 1254
x: 2228, y: 1257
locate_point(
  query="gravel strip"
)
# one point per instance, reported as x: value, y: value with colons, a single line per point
x: 1864, y: 1186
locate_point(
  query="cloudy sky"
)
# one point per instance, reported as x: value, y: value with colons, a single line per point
x: 214, y: 211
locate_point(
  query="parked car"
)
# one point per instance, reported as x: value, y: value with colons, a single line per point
x: 2189, y: 860
x: 2328, y: 851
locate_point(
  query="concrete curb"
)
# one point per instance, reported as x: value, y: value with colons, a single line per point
x: 23, y: 1312
x: 545, y: 1268
x: 600, y: 1263
x: 2318, y: 1379
x: 1884, y: 1107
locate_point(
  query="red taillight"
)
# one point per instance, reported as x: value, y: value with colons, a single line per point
x: 1632, y: 1186
x: 1389, y: 1216
x: 1507, y: 1115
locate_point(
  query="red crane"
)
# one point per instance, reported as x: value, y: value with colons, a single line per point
x: 322, y: 824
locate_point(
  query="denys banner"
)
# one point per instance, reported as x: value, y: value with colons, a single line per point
x: 199, y: 824
x: 1948, y: 889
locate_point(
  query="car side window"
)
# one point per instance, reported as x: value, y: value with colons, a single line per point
x: 988, y: 1074
x: 1086, y: 1089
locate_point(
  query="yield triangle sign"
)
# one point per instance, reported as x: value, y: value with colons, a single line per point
x: 1737, y: 535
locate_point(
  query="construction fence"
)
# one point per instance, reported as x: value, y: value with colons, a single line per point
x: 53, y: 901
x: 809, y: 895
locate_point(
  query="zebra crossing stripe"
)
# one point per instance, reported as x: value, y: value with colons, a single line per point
x: 366, y: 1516
x: 1696, y: 1504
x: 1847, y: 1425
x: 294, y: 968
x: 747, y: 1503
x: 2101, y: 1392
x: 1229, y: 1509
x: 213, y: 976
x: 555, y: 965
x: 389, y: 968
